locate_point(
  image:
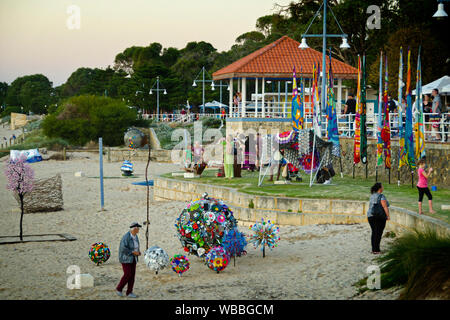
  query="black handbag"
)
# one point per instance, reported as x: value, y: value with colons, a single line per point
x: 378, y: 210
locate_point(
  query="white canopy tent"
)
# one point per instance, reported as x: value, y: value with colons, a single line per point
x: 442, y: 84
x: 214, y: 104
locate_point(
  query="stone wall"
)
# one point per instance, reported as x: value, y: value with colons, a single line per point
x: 292, y: 211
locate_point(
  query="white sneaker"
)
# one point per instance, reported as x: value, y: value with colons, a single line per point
x: 119, y: 293
x: 131, y: 295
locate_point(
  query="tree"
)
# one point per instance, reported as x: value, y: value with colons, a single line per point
x: 3, y: 92
x: 20, y: 181
x: 85, y: 118
x: 31, y: 92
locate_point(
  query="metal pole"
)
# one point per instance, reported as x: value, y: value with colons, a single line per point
x: 285, y: 98
x: 324, y: 55
x: 157, y: 98
x: 203, y: 69
x: 220, y: 93
x: 100, y: 150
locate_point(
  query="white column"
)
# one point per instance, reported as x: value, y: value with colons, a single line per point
x: 339, y: 97
x: 230, y: 100
x: 244, y: 94
x: 256, y: 97
x: 263, y: 111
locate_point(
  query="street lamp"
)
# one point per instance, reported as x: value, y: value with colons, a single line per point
x: 440, y: 13
x: 157, y: 95
x: 213, y: 85
x: 203, y: 81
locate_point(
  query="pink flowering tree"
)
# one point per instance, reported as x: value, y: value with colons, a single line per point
x: 20, y: 181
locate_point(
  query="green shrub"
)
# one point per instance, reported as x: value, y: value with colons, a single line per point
x: 210, y: 122
x: 251, y: 205
x: 420, y: 261
x: 85, y: 118
x: 9, y: 109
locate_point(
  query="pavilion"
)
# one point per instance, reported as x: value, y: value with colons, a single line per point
x: 273, y: 64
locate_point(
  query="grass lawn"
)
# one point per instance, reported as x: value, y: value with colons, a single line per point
x: 341, y: 188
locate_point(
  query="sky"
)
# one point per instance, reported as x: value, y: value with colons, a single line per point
x: 42, y: 36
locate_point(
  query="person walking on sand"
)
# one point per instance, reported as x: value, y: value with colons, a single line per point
x: 422, y: 185
x: 377, y: 215
x: 128, y: 256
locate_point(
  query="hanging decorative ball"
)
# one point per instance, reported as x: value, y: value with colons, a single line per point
x: 217, y: 259
x: 99, y: 253
x: 180, y: 264
x: 156, y: 258
x: 203, y: 223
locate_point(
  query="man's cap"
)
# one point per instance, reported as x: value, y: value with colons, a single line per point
x: 135, y: 224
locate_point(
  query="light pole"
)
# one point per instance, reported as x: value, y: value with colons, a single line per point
x: 324, y: 36
x: 203, y: 81
x: 213, y: 85
x: 157, y: 95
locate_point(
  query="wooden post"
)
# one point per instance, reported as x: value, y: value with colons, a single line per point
x: 367, y: 168
x: 389, y: 175
x: 353, y: 170
x: 376, y: 173
x: 64, y: 153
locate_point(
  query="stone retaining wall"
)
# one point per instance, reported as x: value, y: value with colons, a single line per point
x: 292, y: 211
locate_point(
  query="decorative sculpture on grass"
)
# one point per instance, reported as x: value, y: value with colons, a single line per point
x: 265, y: 234
x: 20, y: 181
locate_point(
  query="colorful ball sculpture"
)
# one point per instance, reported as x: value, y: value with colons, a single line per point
x: 156, y: 258
x: 265, y: 234
x: 202, y: 224
x: 217, y: 259
x: 99, y: 253
x: 234, y: 243
x: 180, y: 264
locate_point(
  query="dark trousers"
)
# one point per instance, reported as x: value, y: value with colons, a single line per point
x: 423, y: 191
x: 377, y: 225
x: 129, y: 271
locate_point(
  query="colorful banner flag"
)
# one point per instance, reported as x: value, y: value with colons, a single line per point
x: 402, y: 156
x: 419, y: 129
x: 363, y: 131
x: 297, y: 104
x: 332, y: 127
x: 386, y: 131
x: 380, y: 114
x: 316, y: 102
x: 409, y: 136
x: 357, y: 125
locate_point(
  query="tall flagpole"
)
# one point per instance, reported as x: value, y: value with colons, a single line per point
x: 400, y: 116
x: 379, y: 143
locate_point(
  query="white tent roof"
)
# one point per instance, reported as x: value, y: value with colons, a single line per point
x: 441, y: 84
x: 214, y: 104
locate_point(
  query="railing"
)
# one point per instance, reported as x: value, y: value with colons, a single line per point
x: 176, y: 117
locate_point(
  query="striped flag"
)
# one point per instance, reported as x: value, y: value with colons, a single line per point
x: 386, y: 131
x: 316, y: 101
x: 332, y: 128
x: 409, y: 136
x: 419, y: 126
x: 363, y: 131
x: 297, y: 105
x: 357, y: 137
x: 380, y: 114
x: 402, y: 156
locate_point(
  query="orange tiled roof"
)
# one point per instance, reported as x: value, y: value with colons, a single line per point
x: 277, y: 60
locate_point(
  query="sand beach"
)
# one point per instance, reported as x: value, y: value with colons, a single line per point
x: 311, y: 262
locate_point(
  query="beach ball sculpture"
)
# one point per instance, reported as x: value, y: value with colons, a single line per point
x: 99, y: 253
x: 264, y: 234
x: 234, y: 243
x: 156, y: 258
x: 127, y: 168
x: 203, y: 223
x: 180, y: 264
x: 217, y: 259
x: 134, y: 138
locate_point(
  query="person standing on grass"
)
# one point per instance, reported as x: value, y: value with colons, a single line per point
x: 422, y: 185
x: 377, y: 215
x: 128, y: 256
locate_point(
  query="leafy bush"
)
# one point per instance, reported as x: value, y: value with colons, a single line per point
x: 84, y: 118
x: 5, y: 119
x: 143, y: 123
x: 420, y: 261
x: 210, y: 122
x: 33, y: 125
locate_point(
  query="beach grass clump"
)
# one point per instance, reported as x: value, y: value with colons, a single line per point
x: 420, y: 262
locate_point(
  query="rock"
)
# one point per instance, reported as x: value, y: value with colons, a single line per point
x: 79, y: 174
x: 86, y: 280
x: 42, y: 150
x: 46, y: 196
